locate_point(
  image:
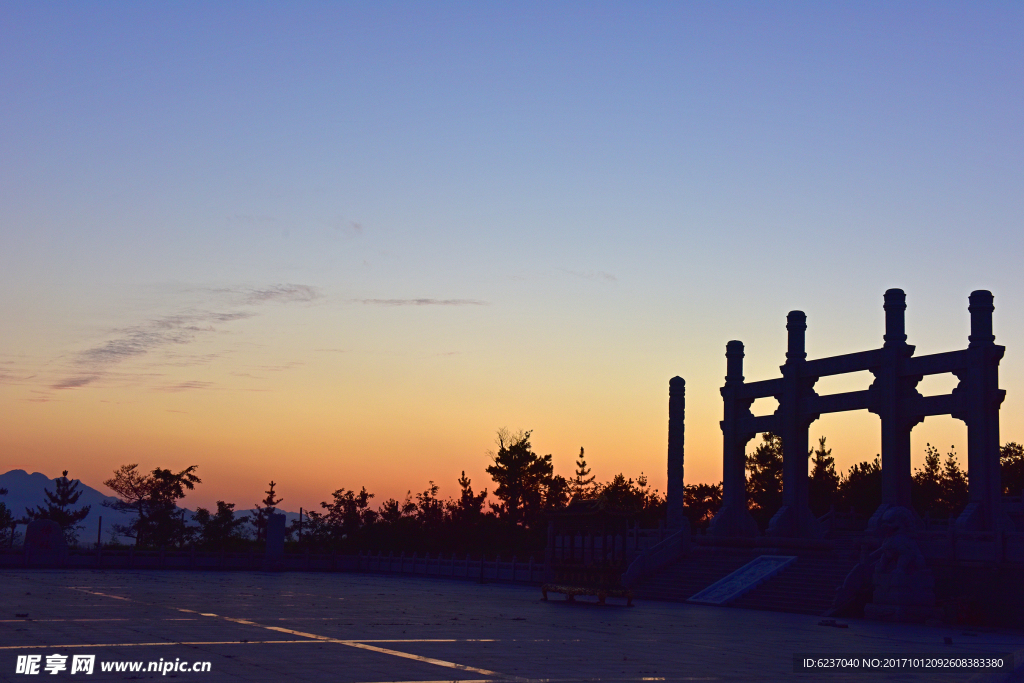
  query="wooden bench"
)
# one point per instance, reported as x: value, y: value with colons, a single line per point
x: 571, y: 592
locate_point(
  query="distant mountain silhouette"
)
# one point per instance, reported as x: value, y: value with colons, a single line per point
x: 26, y: 491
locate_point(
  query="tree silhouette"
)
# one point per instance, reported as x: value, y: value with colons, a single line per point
x: 701, y: 502
x: 939, y: 489
x: 469, y: 507
x: 58, y: 507
x: 764, y: 478
x: 522, y: 478
x: 391, y: 511
x: 6, y: 518
x: 582, y: 483
x: 861, y: 488
x: 926, y: 486
x: 262, y: 512
x: 219, y: 530
x: 429, y: 509
x: 954, y: 485
x: 152, y: 499
x: 824, y: 482
x: 1011, y: 461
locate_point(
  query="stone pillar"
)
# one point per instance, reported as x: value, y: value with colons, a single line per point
x: 733, y: 518
x: 676, y: 491
x: 275, y: 535
x: 893, y: 395
x: 794, y: 518
x: 981, y: 398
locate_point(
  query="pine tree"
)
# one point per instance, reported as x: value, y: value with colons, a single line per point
x: 926, y: 494
x: 581, y: 486
x: 702, y: 501
x: 262, y: 512
x: 861, y: 488
x: 1011, y: 462
x: 429, y: 510
x: 59, y: 507
x: 764, y: 478
x: 153, y: 499
x: 218, y: 530
x: 954, y: 485
x: 522, y: 478
x: 824, y: 482
x: 469, y: 507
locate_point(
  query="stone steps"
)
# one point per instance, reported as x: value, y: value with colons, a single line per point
x: 807, y: 586
x: 690, y: 575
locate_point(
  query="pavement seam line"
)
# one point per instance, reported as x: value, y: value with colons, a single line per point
x: 350, y: 643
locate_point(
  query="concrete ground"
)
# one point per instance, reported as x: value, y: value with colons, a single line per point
x: 357, y: 627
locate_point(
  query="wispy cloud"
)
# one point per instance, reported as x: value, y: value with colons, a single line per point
x: 76, y: 382
x: 423, y: 302
x: 186, y: 386
x: 283, y: 293
x: 166, y: 331
x: 178, y: 329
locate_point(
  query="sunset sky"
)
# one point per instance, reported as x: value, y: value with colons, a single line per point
x: 341, y: 244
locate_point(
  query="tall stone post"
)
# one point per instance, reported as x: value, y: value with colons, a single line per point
x: 981, y: 398
x: 794, y: 518
x: 733, y: 518
x: 676, y: 488
x: 893, y: 397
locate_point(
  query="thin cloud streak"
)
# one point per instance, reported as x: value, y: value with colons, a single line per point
x: 141, y: 339
x: 283, y: 293
x: 75, y: 382
x: 186, y: 386
x: 178, y: 329
x: 422, y: 302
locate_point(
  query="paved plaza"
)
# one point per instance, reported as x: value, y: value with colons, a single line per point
x: 343, y: 628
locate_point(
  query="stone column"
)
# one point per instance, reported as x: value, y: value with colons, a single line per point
x: 733, y: 518
x: 676, y: 491
x: 892, y: 397
x: 794, y: 518
x: 981, y: 398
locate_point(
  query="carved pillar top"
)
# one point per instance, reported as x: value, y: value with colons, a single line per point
x: 677, y: 384
x: 981, y: 308
x: 734, y: 362
x: 895, y: 324
x: 796, y: 324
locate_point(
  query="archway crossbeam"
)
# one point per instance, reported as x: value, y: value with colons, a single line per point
x: 892, y: 396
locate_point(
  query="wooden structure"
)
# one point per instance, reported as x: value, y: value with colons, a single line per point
x: 587, y: 552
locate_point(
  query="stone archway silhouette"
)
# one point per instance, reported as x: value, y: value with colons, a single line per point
x: 892, y: 396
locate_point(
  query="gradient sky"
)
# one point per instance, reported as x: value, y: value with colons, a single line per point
x: 340, y: 244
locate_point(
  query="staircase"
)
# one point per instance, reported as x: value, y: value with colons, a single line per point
x: 807, y: 586
x: 691, y: 574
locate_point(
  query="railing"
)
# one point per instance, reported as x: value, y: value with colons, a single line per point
x: 453, y: 567
x: 132, y: 558
x: 129, y: 558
